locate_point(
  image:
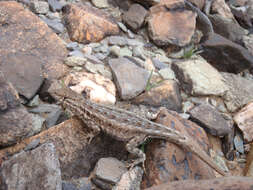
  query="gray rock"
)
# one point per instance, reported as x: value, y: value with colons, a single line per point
x: 76, y: 53
x: 37, y: 169
x: 122, y: 26
x: 115, y: 50
x: 77, y: 184
x: 130, y: 79
x: 117, y: 40
x: 125, y: 51
x: 72, y: 46
x: 55, y: 25
x: 197, y: 77
x: 130, y: 180
x: 55, y: 5
x: 135, y: 16
x: 159, y: 64
x: 39, y: 7
x: 208, y: 117
x: 232, y: 57
x: 73, y: 61
x: 167, y: 73
x: 109, y: 170
x: 138, y: 51
x: 240, y: 91
x: 34, y: 102
x: 99, y: 69
x: 238, y: 142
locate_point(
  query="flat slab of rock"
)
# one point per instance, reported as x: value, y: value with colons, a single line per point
x: 15, y: 121
x: 232, y: 57
x: 244, y: 120
x: 168, y: 162
x: 130, y: 79
x: 197, y: 77
x: 38, y: 169
x: 171, y: 27
x: 208, y: 117
x: 29, y: 50
x: 86, y: 24
x: 224, y: 183
x: 240, y: 91
x: 77, y: 156
x: 166, y: 94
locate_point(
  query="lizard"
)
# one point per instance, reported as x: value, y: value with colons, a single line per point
x: 124, y: 125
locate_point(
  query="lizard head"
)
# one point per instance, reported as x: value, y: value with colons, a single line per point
x: 61, y: 92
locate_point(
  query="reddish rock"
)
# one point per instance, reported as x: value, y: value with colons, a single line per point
x: 77, y: 157
x: 29, y: 50
x: 166, y: 94
x: 168, y: 162
x: 86, y: 24
x: 244, y: 120
x: 224, y: 183
x: 171, y: 27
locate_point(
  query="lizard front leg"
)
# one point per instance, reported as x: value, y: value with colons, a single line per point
x: 132, y: 147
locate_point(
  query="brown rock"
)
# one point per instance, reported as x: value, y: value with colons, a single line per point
x: 15, y: 121
x: 244, y: 120
x: 224, y: 183
x: 86, y: 24
x: 168, y: 162
x: 231, y: 57
x: 29, y: 50
x: 220, y: 7
x: 77, y: 157
x: 173, y: 27
x: 166, y: 94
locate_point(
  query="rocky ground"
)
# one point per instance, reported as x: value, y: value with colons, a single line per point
x: 136, y: 55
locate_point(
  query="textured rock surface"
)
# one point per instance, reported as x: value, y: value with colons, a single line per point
x: 29, y: 50
x: 87, y: 24
x: 37, y: 169
x: 197, y: 77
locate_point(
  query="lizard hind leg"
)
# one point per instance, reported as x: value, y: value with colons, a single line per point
x: 132, y: 147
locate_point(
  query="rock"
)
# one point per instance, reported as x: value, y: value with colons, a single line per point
x: 76, y: 53
x: 197, y: 77
x: 15, y: 121
x: 100, y: 3
x: 208, y: 117
x: 240, y: 91
x: 99, y: 69
x: 95, y: 87
x: 72, y: 46
x: 117, y: 40
x: 82, y: 183
x: 22, y: 60
x: 165, y: 94
x: 224, y: 183
x: 243, y: 119
x: 221, y: 8
x: 238, y: 142
x: 248, y: 43
x: 233, y: 58
x: 160, y: 65
x: 168, y: 162
x: 39, y: 7
x: 36, y: 169
x: 55, y: 5
x: 167, y: 73
x: 130, y: 180
x: 171, y: 27
x: 227, y: 28
x: 125, y: 51
x: 135, y: 16
x: 86, y: 24
x: 74, y: 61
x: 77, y: 156
x: 109, y: 170
x: 54, y: 24
x: 129, y: 84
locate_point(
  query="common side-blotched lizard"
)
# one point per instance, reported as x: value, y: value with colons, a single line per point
x: 125, y: 126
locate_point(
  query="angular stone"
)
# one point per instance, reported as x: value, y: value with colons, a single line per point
x: 197, y: 77
x: 100, y: 3
x: 233, y: 58
x: 39, y: 7
x: 86, y: 24
x: 135, y: 16
x: 165, y: 94
x: 173, y: 27
x: 29, y: 50
x: 77, y: 156
x: 55, y: 5
x: 208, y: 117
x: 131, y: 83
x: 15, y: 121
x: 240, y: 91
x: 224, y: 183
x: 110, y: 170
x: 36, y: 169
x: 168, y: 162
x: 117, y: 40
x: 244, y: 120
